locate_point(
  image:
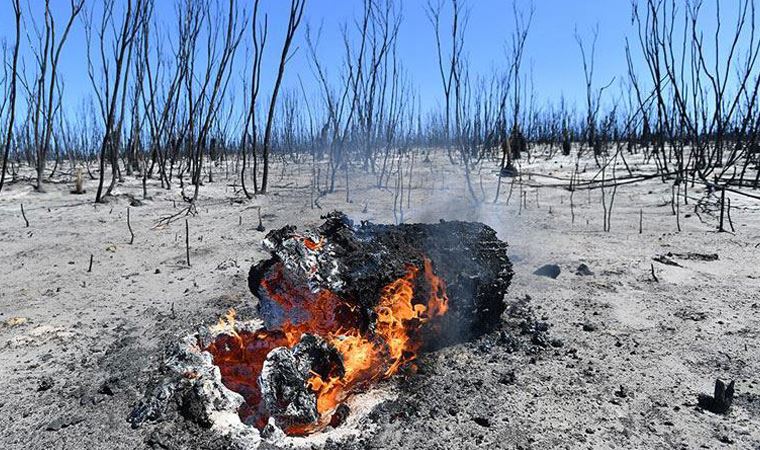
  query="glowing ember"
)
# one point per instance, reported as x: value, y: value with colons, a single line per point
x: 393, y: 344
x: 405, y: 306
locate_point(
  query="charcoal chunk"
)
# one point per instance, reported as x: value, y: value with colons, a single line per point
x: 482, y: 421
x: 548, y: 270
x: 285, y: 374
x: 721, y: 400
x: 45, y: 384
x: 583, y: 271
x: 340, y: 415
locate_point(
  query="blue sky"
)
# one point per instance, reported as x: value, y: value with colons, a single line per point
x: 551, y: 52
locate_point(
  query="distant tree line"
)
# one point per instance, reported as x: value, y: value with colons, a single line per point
x: 168, y: 105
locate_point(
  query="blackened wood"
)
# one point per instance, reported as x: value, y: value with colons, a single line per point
x: 359, y: 260
x: 23, y: 214
x: 721, y: 400
x: 187, y: 241
x: 129, y: 226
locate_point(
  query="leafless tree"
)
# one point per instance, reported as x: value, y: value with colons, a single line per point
x: 114, y: 60
x: 160, y: 93
x: 12, y: 73
x: 294, y: 20
x: 340, y: 104
x: 593, y: 96
x: 259, y: 33
x: 448, y: 63
x: 517, y: 141
x: 705, y: 128
x: 205, y: 102
x: 42, y: 91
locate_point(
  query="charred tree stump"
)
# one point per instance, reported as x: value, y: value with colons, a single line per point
x: 721, y: 400
x: 722, y: 209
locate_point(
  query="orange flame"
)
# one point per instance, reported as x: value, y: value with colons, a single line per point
x: 367, y: 357
x: 314, y: 246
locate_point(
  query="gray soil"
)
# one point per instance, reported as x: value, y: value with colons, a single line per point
x: 631, y: 340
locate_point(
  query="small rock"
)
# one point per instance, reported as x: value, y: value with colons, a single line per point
x: 482, y: 421
x: 63, y: 422
x: 548, y: 270
x: 622, y: 392
x: 507, y: 378
x: 583, y: 271
x: 45, y: 384
x: 588, y: 326
x: 109, y: 386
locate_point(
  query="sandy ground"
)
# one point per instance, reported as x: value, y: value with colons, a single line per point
x: 78, y: 347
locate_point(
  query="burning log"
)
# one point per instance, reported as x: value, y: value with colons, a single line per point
x: 345, y: 306
x: 355, y: 263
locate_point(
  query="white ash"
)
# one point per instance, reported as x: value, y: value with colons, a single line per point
x: 190, y: 378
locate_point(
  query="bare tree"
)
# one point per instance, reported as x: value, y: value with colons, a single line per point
x: 160, y: 97
x: 259, y: 36
x: 11, y: 96
x: 342, y: 104
x: 593, y: 97
x: 205, y: 105
x: 111, y: 89
x: 448, y: 63
x: 517, y: 141
x: 294, y: 20
x: 47, y: 53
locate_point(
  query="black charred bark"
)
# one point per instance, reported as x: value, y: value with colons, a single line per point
x: 356, y: 262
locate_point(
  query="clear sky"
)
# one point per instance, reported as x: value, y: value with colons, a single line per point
x: 551, y: 52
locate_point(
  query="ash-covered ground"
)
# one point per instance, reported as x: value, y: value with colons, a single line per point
x: 609, y: 355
